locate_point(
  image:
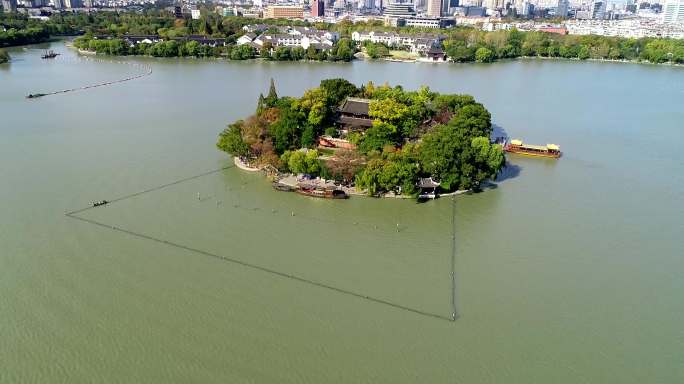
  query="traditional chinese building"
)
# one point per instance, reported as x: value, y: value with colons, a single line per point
x: 436, y: 53
x: 353, y: 114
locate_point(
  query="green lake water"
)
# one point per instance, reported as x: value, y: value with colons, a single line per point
x: 569, y: 271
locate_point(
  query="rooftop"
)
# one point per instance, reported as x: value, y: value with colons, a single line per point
x: 355, y: 106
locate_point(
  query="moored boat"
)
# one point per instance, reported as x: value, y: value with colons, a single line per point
x: 548, y: 150
x: 326, y: 193
x: 282, y: 187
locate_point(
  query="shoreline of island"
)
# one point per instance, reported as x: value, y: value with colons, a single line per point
x: 240, y: 164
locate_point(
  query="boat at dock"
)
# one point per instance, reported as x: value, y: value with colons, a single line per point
x: 548, y: 150
x: 49, y: 55
x: 326, y: 193
x: 282, y: 187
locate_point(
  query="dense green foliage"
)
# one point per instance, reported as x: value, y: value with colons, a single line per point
x: 21, y: 30
x: 462, y: 43
x: 376, y: 50
x: 4, y: 56
x: 467, y: 44
x: 180, y: 47
x: 414, y: 134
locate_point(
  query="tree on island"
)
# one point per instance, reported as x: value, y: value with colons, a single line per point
x: 272, y: 98
x: 414, y: 134
x: 484, y: 55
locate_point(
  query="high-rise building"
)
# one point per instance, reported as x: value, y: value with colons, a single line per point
x: 88, y: 3
x: 673, y: 11
x: 284, y: 12
x: 434, y: 8
x: 395, y: 9
x: 58, y: 4
x: 527, y: 9
x: 598, y: 10
x: 9, y: 6
x: 318, y: 8
x: 562, y: 8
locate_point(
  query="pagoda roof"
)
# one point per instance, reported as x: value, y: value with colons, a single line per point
x: 355, y: 106
x: 427, y: 182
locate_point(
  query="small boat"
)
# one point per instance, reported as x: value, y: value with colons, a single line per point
x: 428, y: 189
x: 99, y: 203
x: 34, y: 95
x: 49, y: 54
x: 326, y: 193
x: 548, y: 150
x: 427, y: 196
x: 282, y: 187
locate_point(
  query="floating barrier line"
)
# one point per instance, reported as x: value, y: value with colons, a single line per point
x: 454, y: 314
x: 264, y: 269
x: 149, y: 72
x: 73, y: 215
x: 154, y: 189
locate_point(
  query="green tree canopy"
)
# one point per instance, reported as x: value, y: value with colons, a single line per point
x: 484, y: 55
x: 230, y: 140
x: 338, y: 90
x: 302, y: 161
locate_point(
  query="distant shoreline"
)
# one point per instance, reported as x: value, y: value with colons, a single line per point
x: 395, y: 60
x: 526, y: 58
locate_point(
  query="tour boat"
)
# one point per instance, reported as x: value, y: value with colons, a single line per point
x: 99, y: 203
x: 427, y: 196
x: 326, y: 193
x: 548, y: 150
x: 49, y: 55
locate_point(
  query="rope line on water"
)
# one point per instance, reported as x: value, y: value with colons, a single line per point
x: 153, y: 189
x: 149, y: 72
x: 453, y: 317
x: 264, y: 269
x: 453, y: 257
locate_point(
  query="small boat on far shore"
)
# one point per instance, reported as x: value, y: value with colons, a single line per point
x: 548, y: 150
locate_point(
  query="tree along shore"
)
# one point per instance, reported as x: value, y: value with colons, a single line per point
x: 343, y: 50
x: 400, y: 138
x: 461, y: 44
x: 4, y: 56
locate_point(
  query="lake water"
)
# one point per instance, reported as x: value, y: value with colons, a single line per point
x: 570, y: 271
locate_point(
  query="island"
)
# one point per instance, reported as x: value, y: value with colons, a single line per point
x: 378, y: 140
